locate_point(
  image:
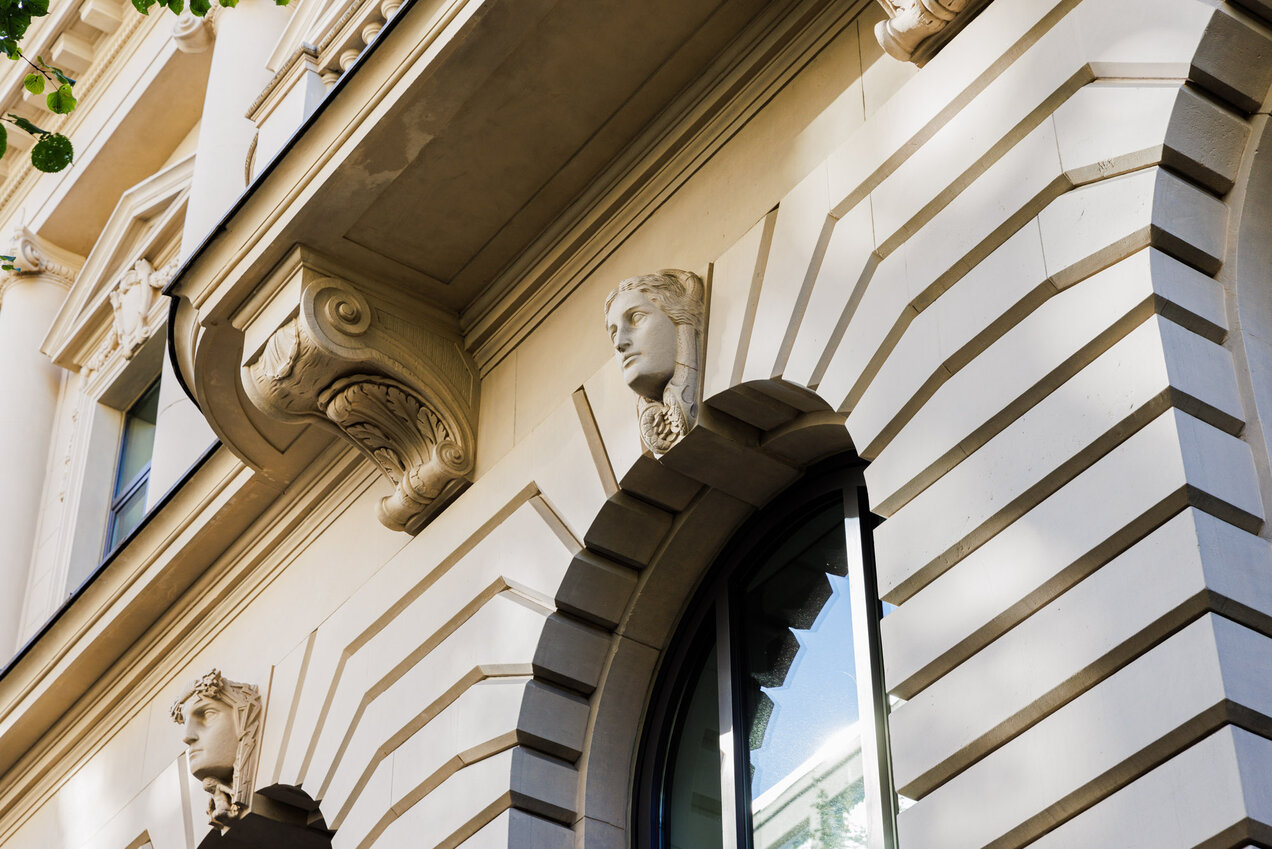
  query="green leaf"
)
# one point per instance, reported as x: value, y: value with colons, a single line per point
x: 199, y: 8
x: 61, y: 101
x: 57, y: 72
x: 34, y: 83
x: 4, y: 145
x: 24, y: 124
x: 13, y: 25
x: 175, y: 6
x: 35, y: 8
x: 229, y: 4
x: 143, y: 6
x: 280, y: 2
x: 9, y: 262
x: 52, y: 153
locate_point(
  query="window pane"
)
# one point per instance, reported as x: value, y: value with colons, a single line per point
x: 691, y: 812
x: 800, y: 701
x: 138, y: 441
x: 127, y: 517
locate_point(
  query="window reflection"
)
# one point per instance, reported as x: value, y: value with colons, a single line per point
x: 801, y: 712
x: 770, y: 726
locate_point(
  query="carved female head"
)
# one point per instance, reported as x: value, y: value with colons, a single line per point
x: 222, y: 721
x: 655, y: 325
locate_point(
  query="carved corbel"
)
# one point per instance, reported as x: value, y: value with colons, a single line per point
x: 916, y: 28
x: 388, y: 375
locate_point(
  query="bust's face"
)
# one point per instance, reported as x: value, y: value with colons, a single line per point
x: 211, y: 739
x: 644, y: 340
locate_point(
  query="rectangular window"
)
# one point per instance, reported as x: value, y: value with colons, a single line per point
x: 128, y: 501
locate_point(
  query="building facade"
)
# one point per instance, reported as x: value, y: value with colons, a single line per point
x: 694, y: 423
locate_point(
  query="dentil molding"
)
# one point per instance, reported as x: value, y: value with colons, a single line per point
x: 388, y: 374
x: 917, y: 28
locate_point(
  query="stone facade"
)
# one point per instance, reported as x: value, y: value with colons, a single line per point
x: 403, y: 486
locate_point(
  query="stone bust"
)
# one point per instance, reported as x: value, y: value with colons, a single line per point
x: 222, y: 723
x: 655, y: 325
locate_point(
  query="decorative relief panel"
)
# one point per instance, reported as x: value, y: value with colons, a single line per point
x: 393, y: 380
x: 917, y: 28
x: 222, y: 724
x: 132, y: 300
x: 655, y: 325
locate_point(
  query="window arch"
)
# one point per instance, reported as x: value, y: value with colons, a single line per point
x: 768, y: 725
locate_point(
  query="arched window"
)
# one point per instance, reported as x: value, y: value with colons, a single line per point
x: 768, y: 727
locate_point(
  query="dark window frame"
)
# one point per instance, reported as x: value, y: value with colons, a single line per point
x: 717, y: 597
x: 124, y: 492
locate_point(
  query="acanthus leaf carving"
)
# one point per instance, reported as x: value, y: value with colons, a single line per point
x: 394, y: 381
x: 33, y: 256
x: 407, y: 439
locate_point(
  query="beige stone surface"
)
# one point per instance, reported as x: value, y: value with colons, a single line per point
x: 735, y: 287
x: 1041, y: 373
x: 1201, y: 794
x: 1129, y: 721
x: 1079, y: 421
x: 799, y: 240
x: 847, y: 263
x: 1108, y: 506
x: 1191, y: 563
x: 1028, y: 362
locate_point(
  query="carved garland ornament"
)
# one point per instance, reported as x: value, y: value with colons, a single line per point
x: 401, y: 390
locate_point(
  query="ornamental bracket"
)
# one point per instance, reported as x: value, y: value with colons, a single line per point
x: 916, y: 29
x: 377, y: 365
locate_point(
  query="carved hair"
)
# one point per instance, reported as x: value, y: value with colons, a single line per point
x: 244, y: 701
x: 679, y: 294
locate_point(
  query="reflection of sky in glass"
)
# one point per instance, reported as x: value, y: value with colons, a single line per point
x: 818, y: 698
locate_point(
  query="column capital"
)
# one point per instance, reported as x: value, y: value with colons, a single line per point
x: 34, y: 256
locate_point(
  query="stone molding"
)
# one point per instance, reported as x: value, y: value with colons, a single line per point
x: 917, y: 28
x: 394, y: 381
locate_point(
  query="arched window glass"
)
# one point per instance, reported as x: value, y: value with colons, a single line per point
x: 769, y: 727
